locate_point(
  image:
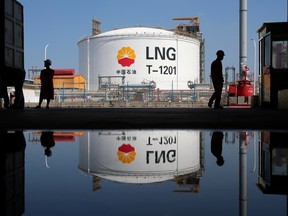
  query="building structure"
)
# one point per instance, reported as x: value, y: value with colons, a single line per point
x: 12, y: 73
x: 273, y: 62
x: 65, y: 78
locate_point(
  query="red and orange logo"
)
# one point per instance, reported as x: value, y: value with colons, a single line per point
x: 126, y: 153
x: 126, y: 56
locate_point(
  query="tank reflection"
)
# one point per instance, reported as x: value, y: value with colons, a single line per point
x: 143, y: 156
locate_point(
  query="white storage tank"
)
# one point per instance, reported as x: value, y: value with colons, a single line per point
x: 140, y: 54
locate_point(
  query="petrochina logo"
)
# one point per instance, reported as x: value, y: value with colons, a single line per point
x: 126, y: 56
x: 126, y: 153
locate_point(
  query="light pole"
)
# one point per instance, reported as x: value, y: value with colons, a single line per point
x: 46, y: 50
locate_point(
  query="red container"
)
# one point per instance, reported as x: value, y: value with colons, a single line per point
x: 64, y: 72
x: 245, y: 90
x: 232, y: 89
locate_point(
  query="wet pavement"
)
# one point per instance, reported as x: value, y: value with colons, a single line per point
x: 141, y: 118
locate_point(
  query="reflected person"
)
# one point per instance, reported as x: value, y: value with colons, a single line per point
x: 216, y: 147
x: 47, y: 141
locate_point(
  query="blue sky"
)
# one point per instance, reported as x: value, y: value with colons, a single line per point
x: 62, y: 23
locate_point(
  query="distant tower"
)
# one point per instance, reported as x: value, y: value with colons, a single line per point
x: 96, y: 27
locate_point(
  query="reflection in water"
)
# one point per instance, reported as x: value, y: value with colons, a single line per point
x: 273, y: 163
x: 12, y: 159
x: 138, y: 157
x: 142, y: 157
x: 243, y: 143
x: 47, y: 141
x: 216, y: 146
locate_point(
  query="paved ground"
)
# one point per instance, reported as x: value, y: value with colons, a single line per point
x: 144, y: 118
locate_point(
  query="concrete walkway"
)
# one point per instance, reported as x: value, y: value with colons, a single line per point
x: 144, y: 118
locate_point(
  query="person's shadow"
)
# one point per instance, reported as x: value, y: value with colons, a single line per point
x: 216, y: 146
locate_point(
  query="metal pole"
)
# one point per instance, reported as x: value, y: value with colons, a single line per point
x: 254, y: 42
x: 127, y: 93
x: 63, y: 92
x: 84, y: 91
x: 45, y: 57
x: 243, y: 33
x: 106, y: 98
x: 242, y: 176
x: 242, y: 148
x: 172, y: 93
x: 194, y: 90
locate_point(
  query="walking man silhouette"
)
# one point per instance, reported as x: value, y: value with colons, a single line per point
x: 217, y: 80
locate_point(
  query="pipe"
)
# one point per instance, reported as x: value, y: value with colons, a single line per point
x: 255, y: 77
x: 242, y: 176
x: 243, y: 34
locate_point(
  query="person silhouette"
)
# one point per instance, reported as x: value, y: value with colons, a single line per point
x: 47, y: 87
x: 217, y: 80
x: 216, y: 147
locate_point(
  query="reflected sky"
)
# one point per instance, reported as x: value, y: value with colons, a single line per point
x: 144, y: 172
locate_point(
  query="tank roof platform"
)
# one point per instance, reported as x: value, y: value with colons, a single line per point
x: 144, y: 118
